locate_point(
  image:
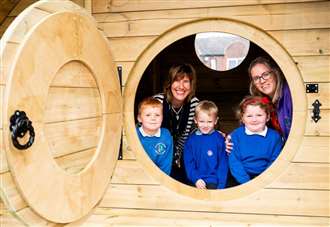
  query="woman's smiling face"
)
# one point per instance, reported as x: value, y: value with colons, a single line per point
x: 264, y: 79
x: 180, y: 89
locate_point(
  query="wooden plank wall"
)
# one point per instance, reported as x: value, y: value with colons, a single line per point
x: 301, y: 195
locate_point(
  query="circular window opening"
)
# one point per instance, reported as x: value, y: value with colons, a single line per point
x: 226, y: 91
x: 221, y: 51
x: 225, y: 88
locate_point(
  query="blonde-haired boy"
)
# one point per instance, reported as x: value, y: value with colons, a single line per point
x: 205, y: 158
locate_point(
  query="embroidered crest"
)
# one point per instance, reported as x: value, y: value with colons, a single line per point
x: 209, y: 153
x: 160, y: 148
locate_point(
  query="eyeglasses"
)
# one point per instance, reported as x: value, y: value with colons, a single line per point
x: 264, y: 76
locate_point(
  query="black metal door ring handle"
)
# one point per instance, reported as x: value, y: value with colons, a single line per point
x: 19, y: 126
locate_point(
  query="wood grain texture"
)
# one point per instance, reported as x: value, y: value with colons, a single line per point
x: 314, y: 149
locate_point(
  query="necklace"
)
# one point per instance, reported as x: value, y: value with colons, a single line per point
x: 177, y: 112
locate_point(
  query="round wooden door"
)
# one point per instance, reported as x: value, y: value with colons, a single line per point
x: 64, y: 79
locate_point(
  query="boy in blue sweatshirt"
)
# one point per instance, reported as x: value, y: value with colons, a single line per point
x: 205, y: 158
x: 156, y: 141
x: 255, y: 145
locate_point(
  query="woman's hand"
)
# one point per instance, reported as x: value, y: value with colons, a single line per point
x: 200, y: 184
x: 229, y: 144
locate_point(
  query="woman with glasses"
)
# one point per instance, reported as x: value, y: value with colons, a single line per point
x: 267, y: 80
x: 179, y: 104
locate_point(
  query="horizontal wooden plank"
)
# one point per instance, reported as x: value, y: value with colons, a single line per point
x: 72, y: 136
x: 128, y: 48
x: 146, y: 217
x: 131, y: 172
x: 283, y: 202
x: 270, y: 17
x: 311, y: 42
x: 72, y: 103
x: 323, y: 96
x: 304, y: 176
x: 75, y: 162
x: 27, y: 217
x: 320, y: 128
x: 296, y: 176
x: 313, y: 149
x: 124, y: 6
x: 314, y: 68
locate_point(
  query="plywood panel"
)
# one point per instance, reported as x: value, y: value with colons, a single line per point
x: 72, y: 103
x: 3, y: 159
x: 23, y: 28
x: 7, y: 57
x: 304, y: 176
x: 72, y: 136
x: 2, y: 89
x: 322, y: 127
x: 283, y: 202
x: 11, y: 191
x: 314, y: 68
x: 323, y: 96
x: 131, y: 172
x: 314, y: 149
x: 128, y: 153
x: 311, y: 42
x: 146, y: 217
x: 128, y: 49
x: 74, y: 74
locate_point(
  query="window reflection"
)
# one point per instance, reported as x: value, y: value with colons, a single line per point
x: 221, y: 51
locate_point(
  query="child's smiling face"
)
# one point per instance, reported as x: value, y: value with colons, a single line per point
x: 254, y: 118
x: 151, y: 119
x: 205, y: 121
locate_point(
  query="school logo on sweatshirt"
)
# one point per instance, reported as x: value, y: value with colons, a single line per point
x: 160, y: 148
x: 209, y: 153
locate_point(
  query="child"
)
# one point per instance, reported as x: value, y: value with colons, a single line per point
x: 204, y: 156
x: 156, y: 141
x: 256, y: 145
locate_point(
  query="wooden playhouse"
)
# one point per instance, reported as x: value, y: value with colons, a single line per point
x: 78, y: 68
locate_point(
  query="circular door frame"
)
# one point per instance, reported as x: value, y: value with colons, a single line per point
x: 272, y: 47
x: 56, y: 40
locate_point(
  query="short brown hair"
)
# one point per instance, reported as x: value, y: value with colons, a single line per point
x: 177, y: 72
x: 206, y: 106
x: 263, y: 102
x: 149, y: 101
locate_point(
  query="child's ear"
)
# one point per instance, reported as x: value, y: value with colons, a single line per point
x: 139, y: 118
x: 268, y: 117
x: 216, y: 121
